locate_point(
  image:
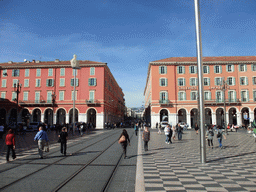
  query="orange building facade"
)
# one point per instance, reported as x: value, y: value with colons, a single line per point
x: 47, y: 93
x: 229, y: 85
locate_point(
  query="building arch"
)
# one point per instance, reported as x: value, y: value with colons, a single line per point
x: 232, y: 115
x: 208, y: 116
x: 61, y: 116
x: 194, y: 114
x: 182, y: 115
x: 220, y: 116
x: 36, y: 115
x: 245, y: 115
x: 12, y: 117
x: 71, y: 115
x: 48, y: 116
x: 25, y: 116
x: 91, y: 116
x: 164, y: 114
x: 2, y: 116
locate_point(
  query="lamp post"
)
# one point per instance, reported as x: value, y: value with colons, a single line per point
x: 17, y: 86
x: 224, y: 88
x: 75, y: 66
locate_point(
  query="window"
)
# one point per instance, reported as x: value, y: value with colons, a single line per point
x: 193, y: 81
x: 3, y: 95
x: 91, y: 96
x: 253, y: 67
x: 254, y: 80
x: 181, y: 70
x: 62, y: 82
x: 231, y: 96
x: 181, y: 82
x: 243, y: 81
x: 26, y: 82
x: 62, y: 71
x: 231, y: 81
x: 49, y: 97
x: 219, y: 96
x: 192, y: 69
x: 72, y: 95
x: 230, y: 68
x: 15, y: 72
x: 207, y: 95
x: 193, y: 95
x: 206, y: 81
x: 38, y: 72
x: 163, y: 82
x: 14, y: 82
x: 92, y: 70
x: 92, y: 82
x: 3, y: 82
x: 37, y: 96
x: 72, y: 82
x: 217, y: 69
x: 49, y: 82
x: 245, y: 96
x: 38, y: 82
x: 206, y: 69
x: 14, y: 94
x: 218, y: 80
x: 50, y: 72
x: 74, y: 72
x: 25, y: 96
x: 4, y: 73
x: 242, y: 68
x: 61, y: 95
x: 162, y: 70
x: 26, y: 72
x: 254, y: 95
x: 163, y: 96
x: 181, y: 96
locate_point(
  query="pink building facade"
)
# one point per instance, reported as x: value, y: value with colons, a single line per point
x: 48, y: 89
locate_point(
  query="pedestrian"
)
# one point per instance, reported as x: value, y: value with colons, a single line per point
x: 196, y: 128
x: 174, y: 132
x: 219, y: 136
x: 81, y: 129
x: 179, y: 131
x: 10, y: 143
x: 209, y: 135
x: 136, y: 128
x: 168, y: 134
x: 124, y: 140
x: 146, y: 138
x: 42, y: 138
x: 159, y: 128
x: 63, y: 140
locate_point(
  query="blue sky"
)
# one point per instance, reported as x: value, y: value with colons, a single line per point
x: 125, y: 34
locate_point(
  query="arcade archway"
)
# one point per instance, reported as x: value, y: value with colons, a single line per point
x: 48, y: 116
x: 194, y: 117
x: 2, y: 116
x: 245, y: 116
x: 232, y: 115
x: 182, y: 115
x: 71, y: 116
x: 91, y: 116
x: 61, y: 117
x: 36, y: 115
x: 208, y: 116
x: 163, y: 114
x: 25, y: 115
x: 220, y: 117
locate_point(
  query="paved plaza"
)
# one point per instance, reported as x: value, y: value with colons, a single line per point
x: 165, y: 167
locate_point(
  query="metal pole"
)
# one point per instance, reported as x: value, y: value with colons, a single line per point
x: 17, y: 106
x: 74, y: 98
x: 224, y: 95
x: 200, y: 80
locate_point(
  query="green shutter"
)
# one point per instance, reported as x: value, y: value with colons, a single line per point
x: 52, y: 82
x: 185, y: 96
x: 208, y: 80
x: 245, y: 67
x: 89, y: 82
x: 215, y: 81
x: 234, y: 80
x: 160, y: 82
x: 190, y: 69
x: 215, y: 69
x: 165, y: 69
x: 246, y: 81
x: 183, y: 69
x: 179, y: 96
x: 195, y: 69
x: 235, y: 95
x: 190, y: 81
x: 166, y: 82
x: 220, y: 69
x: 248, y: 98
x: 184, y: 81
x: 95, y: 82
x: 159, y: 69
x: 208, y: 69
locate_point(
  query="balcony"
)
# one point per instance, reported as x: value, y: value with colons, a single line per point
x: 35, y: 102
x: 221, y: 102
x: 165, y: 103
x: 92, y: 102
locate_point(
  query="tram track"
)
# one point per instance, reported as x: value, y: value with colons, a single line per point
x: 56, y: 162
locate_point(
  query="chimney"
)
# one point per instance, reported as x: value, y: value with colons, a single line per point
x: 10, y: 62
x: 37, y: 61
x: 28, y: 61
x: 57, y: 60
x: 33, y: 61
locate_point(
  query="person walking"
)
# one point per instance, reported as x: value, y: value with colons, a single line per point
x: 179, y: 131
x: 124, y: 140
x: 136, y: 128
x: 1, y: 131
x: 159, y: 128
x: 146, y: 138
x: 63, y: 140
x: 209, y: 135
x: 219, y: 136
x: 10, y: 143
x: 167, y: 133
x: 196, y: 128
x: 42, y: 138
x: 174, y: 132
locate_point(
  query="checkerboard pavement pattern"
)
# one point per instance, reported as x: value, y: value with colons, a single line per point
x: 177, y: 167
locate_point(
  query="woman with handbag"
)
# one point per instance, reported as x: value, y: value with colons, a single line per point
x: 146, y: 138
x: 63, y: 136
x: 124, y: 140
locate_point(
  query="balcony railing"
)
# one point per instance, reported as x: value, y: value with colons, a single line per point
x: 221, y: 101
x: 165, y: 102
x: 35, y: 102
x: 91, y: 101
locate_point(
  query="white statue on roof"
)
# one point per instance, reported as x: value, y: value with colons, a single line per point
x: 74, y: 62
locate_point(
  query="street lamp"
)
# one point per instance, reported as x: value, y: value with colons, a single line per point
x: 75, y: 66
x: 17, y: 86
x: 224, y: 88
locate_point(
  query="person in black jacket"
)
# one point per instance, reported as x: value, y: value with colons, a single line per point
x: 125, y: 142
x: 63, y: 140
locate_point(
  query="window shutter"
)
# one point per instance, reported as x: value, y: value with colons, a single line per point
x: 165, y: 69
x: 227, y: 68
x: 210, y: 95
x: 235, y: 95
x: 215, y: 81
x: 251, y: 67
x: 160, y: 94
x: 166, y: 82
x: 248, y: 99
x: 208, y: 69
x: 195, y: 69
x: 196, y: 81
x: 246, y: 80
x: 52, y: 82
x: 166, y: 95
x: 177, y: 69
x: 13, y: 72
x: 245, y: 68
x: 190, y: 95
x: 240, y: 80
x: 239, y: 68
x: 72, y: 82
x: 185, y: 97
x: 184, y: 82
x: 234, y: 80
x: 77, y: 80
x: 215, y: 69
x: 95, y: 82
x: 160, y: 82
x: 47, y: 82
x: 220, y: 69
x: 179, y: 96
x: 190, y: 69
x: 208, y: 80
x: 89, y: 81
x: 190, y: 81
x: 159, y: 69
x: 183, y: 69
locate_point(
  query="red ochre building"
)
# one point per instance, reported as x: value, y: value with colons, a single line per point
x: 172, y: 90
x: 47, y: 93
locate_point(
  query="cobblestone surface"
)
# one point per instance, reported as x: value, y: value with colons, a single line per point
x: 177, y: 167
